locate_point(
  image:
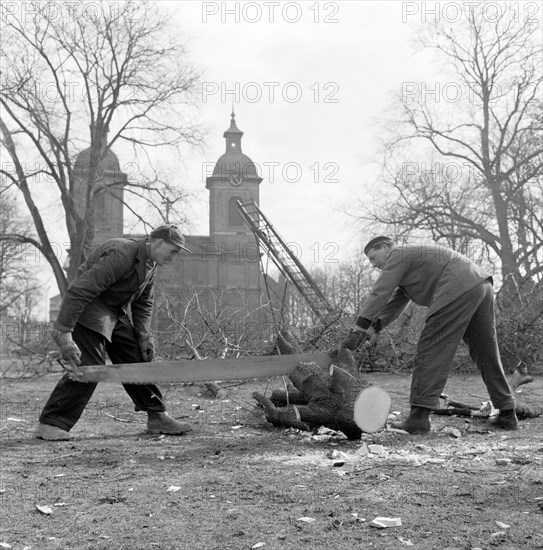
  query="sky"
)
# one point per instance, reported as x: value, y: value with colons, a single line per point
x: 310, y: 83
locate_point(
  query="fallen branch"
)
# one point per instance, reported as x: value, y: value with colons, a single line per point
x: 518, y: 379
x: 523, y: 410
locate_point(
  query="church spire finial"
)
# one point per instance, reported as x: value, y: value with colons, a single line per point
x: 233, y: 135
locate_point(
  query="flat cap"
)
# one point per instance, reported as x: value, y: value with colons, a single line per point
x: 171, y: 234
x: 377, y: 241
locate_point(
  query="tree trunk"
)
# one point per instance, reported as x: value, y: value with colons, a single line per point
x: 316, y: 397
x: 44, y: 246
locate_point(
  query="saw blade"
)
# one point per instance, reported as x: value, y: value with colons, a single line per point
x: 201, y: 370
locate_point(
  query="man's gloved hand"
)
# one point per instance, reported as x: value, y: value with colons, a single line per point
x: 356, y: 338
x: 147, y: 346
x: 68, y: 348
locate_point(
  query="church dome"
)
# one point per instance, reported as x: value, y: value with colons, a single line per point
x: 110, y: 163
x: 235, y: 163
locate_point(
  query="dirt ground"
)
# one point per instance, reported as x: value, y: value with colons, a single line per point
x: 236, y: 482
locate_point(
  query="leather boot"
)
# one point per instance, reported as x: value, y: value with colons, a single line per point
x: 162, y: 423
x: 418, y: 421
x: 506, y: 420
x: 51, y: 433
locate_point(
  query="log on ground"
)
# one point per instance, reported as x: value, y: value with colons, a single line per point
x: 316, y: 396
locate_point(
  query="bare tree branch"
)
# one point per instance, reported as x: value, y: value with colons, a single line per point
x: 493, y: 139
x: 71, y: 82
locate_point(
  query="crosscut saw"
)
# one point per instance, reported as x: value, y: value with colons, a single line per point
x: 200, y: 370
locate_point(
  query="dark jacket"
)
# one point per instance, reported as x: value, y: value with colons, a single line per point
x: 118, y: 273
x: 428, y: 274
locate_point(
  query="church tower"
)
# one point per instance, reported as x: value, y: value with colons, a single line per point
x: 234, y: 246
x: 234, y: 178
x: 110, y: 182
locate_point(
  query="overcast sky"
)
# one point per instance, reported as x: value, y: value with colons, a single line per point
x: 310, y: 82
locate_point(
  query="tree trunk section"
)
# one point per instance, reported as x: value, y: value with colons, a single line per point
x: 316, y: 396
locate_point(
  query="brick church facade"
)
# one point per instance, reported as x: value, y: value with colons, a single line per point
x: 223, y: 269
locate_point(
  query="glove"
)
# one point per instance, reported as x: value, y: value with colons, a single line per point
x: 355, y: 339
x: 68, y: 348
x: 147, y: 347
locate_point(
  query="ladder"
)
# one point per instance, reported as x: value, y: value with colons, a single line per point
x: 288, y: 264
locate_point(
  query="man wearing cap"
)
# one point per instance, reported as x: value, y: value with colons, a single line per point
x: 460, y: 299
x: 93, y: 320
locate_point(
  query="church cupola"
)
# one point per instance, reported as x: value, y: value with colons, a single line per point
x: 233, y: 136
x: 233, y: 167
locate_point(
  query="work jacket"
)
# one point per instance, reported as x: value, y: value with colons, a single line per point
x: 430, y: 275
x: 117, y: 273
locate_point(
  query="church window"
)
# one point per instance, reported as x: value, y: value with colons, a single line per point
x: 234, y: 217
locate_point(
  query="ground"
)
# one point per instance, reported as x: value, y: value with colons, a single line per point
x: 236, y: 482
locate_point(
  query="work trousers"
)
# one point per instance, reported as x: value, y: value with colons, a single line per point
x: 471, y: 318
x: 68, y: 400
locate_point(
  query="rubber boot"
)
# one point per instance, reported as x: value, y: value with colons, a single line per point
x: 418, y: 421
x: 506, y: 420
x: 162, y: 423
x: 51, y: 433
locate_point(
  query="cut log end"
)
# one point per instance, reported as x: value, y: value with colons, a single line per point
x: 371, y: 409
x: 323, y: 394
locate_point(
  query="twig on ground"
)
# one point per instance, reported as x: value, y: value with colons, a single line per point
x: 117, y: 418
x: 67, y: 456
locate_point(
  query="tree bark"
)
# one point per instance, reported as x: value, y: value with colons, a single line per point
x: 318, y: 397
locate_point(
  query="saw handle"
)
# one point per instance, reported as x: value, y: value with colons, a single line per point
x: 72, y: 370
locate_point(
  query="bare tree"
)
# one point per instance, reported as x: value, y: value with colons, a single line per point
x: 76, y: 76
x: 17, y: 268
x: 215, y: 323
x: 467, y: 166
